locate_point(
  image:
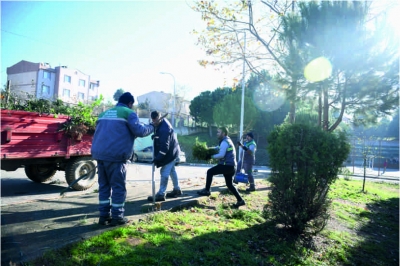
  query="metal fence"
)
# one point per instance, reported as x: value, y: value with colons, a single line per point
x: 373, y: 154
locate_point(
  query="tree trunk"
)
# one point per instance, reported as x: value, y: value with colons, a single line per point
x: 292, y: 112
x: 326, y: 110
x: 320, y: 109
x: 339, y: 119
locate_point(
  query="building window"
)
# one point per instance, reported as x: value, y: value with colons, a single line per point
x: 92, y: 86
x: 67, y: 78
x: 66, y: 93
x: 45, y: 89
x: 81, y: 96
x: 46, y: 75
x: 82, y: 83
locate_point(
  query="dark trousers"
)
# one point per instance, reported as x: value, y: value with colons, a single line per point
x: 228, y: 171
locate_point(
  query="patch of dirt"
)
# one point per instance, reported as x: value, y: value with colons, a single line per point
x: 132, y: 241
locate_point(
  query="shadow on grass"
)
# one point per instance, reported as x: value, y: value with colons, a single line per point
x: 260, y: 244
x: 381, y: 235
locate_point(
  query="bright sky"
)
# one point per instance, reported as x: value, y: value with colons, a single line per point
x: 123, y: 44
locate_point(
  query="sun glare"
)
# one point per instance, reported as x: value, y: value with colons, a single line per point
x: 318, y: 69
x: 269, y: 97
x: 393, y: 19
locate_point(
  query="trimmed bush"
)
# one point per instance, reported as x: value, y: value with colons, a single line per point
x: 304, y: 161
x: 200, y: 150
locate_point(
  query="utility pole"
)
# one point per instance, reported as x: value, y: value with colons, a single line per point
x: 243, y: 88
x: 8, y: 89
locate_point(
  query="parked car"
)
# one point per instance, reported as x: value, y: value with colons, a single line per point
x: 181, y: 158
x: 143, y: 155
x: 146, y: 155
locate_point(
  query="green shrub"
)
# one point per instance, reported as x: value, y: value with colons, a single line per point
x: 200, y: 150
x: 346, y: 173
x: 82, y: 119
x: 304, y: 162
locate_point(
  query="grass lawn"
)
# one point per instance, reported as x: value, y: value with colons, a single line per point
x: 363, y: 230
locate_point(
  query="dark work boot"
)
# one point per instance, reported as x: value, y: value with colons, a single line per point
x: 104, y: 220
x: 120, y: 221
x: 158, y: 198
x: 238, y: 204
x: 204, y: 192
x: 251, y: 188
x: 174, y: 193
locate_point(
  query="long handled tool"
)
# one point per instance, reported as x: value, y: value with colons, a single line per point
x: 76, y: 181
x: 153, y: 181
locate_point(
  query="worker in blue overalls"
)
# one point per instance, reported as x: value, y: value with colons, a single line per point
x: 112, y: 146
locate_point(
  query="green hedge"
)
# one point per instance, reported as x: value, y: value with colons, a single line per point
x: 304, y: 161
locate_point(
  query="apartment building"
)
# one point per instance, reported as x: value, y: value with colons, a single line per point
x: 163, y: 102
x: 43, y: 81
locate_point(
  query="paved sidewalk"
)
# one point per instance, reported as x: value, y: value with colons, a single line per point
x: 376, y: 173
x: 28, y: 229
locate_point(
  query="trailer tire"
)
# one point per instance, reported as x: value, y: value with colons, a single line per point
x: 78, y: 167
x: 40, y: 173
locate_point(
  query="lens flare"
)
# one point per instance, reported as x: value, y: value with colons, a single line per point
x: 318, y: 69
x: 269, y: 97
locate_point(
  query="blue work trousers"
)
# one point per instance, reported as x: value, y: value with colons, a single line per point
x: 167, y: 171
x: 112, y: 188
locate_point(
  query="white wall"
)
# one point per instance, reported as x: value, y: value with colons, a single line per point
x: 23, y: 82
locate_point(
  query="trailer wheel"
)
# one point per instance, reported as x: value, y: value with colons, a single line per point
x: 40, y: 173
x: 77, y: 168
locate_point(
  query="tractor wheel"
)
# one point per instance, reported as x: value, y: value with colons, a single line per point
x: 78, y: 167
x: 40, y: 173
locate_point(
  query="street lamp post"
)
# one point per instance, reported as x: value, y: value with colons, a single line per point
x: 173, y: 100
x: 243, y: 81
x: 243, y: 86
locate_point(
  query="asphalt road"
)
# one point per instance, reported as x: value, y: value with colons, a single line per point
x: 16, y: 187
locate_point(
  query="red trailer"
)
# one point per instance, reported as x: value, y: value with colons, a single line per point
x: 34, y: 141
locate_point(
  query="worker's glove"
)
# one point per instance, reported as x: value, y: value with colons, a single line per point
x: 208, y: 157
x: 157, y: 160
x: 245, y: 148
x: 239, y: 143
x: 157, y: 163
